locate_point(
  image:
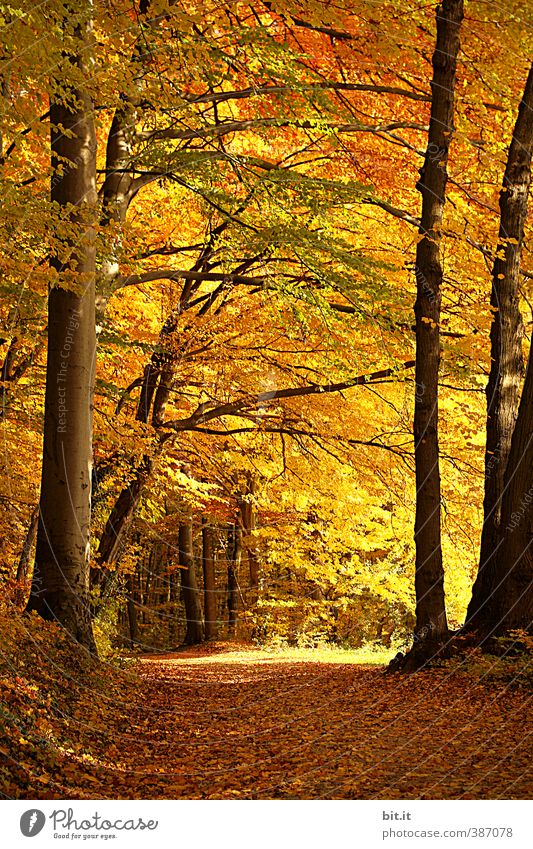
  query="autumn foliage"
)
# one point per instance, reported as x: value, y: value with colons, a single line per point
x: 222, y: 418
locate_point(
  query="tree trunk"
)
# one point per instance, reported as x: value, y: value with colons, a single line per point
x: 128, y: 500
x: 506, y: 369
x: 234, y: 560
x: 61, y: 577
x: 121, y: 516
x: 116, y: 197
x: 210, y: 598
x: 23, y: 567
x: 132, y: 611
x: 189, y: 586
x: 173, y: 595
x: 431, y: 624
x: 13, y: 369
x: 247, y: 511
x: 510, y: 603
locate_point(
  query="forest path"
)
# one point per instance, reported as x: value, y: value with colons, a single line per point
x: 248, y: 724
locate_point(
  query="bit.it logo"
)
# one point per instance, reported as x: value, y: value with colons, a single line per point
x: 32, y: 822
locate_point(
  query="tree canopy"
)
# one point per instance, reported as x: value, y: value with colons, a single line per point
x: 251, y: 223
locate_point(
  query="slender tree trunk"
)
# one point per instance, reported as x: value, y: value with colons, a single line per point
x: 132, y: 611
x: 159, y: 374
x: 431, y: 624
x: 164, y: 580
x: 189, y: 585
x: 210, y: 599
x: 23, y: 567
x: 118, y: 189
x: 116, y: 197
x: 234, y: 561
x: 152, y: 401
x: 173, y: 595
x: 61, y: 577
x: 506, y: 369
x: 13, y: 369
x: 153, y: 569
x: 248, y: 519
x: 122, y: 514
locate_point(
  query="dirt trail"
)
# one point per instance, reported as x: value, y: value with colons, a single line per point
x: 246, y: 724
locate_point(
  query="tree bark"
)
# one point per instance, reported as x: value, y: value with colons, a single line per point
x: 189, y: 585
x: 431, y: 623
x: 210, y: 599
x: 506, y: 370
x: 173, y: 597
x: 61, y: 577
x: 132, y: 611
x: 150, y: 402
x: 234, y: 561
x: 510, y: 603
x: 121, y: 515
x: 247, y: 512
x: 23, y: 567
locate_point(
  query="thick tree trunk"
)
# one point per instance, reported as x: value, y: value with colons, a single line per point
x: 61, y: 577
x: 189, y: 586
x: 234, y: 561
x: 506, y: 370
x: 210, y: 598
x: 510, y: 603
x: 431, y: 624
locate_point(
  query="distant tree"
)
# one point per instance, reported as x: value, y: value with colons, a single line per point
x: 189, y: 584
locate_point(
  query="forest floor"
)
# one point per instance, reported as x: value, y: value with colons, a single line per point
x: 227, y: 721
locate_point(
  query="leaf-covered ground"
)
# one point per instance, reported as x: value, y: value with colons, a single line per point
x: 231, y: 722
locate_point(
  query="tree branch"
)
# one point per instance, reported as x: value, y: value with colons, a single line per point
x: 240, y: 405
x: 201, y: 276
x: 241, y: 94
x: 226, y: 127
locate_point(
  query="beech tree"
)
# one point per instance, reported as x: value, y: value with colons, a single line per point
x: 509, y: 604
x: 431, y: 623
x: 506, y: 362
x: 189, y: 584
x: 210, y: 599
x: 60, y: 582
